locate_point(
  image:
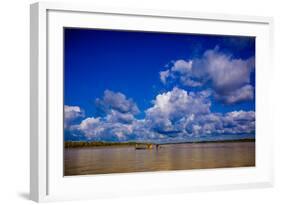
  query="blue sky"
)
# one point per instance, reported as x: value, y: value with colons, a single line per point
x: 125, y: 85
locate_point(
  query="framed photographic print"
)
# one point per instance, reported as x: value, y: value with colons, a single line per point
x: 127, y: 102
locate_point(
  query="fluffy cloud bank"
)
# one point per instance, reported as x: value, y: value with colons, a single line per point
x: 101, y: 129
x: 71, y: 113
x: 115, y: 122
x: 227, y: 76
x: 181, y: 114
x: 176, y: 115
x: 176, y: 106
x: 117, y: 102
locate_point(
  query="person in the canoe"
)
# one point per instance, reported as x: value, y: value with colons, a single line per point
x: 157, y: 146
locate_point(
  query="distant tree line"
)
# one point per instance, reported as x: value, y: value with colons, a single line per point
x: 73, y: 144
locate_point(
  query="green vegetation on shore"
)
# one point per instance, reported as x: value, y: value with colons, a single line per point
x: 78, y: 144
x: 98, y: 144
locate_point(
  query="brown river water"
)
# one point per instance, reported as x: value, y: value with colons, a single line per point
x: 124, y: 159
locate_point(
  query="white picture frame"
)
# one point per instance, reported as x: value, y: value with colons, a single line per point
x: 47, y: 182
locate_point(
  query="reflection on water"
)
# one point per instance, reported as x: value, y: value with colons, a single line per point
x: 102, y: 160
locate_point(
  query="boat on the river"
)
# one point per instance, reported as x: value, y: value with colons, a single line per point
x: 143, y: 146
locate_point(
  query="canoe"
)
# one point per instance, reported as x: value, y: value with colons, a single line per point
x: 143, y: 146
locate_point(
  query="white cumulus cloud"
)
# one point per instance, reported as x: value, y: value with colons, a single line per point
x: 72, y: 113
x: 226, y: 75
x: 117, y: 101
x: 175, y: 105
